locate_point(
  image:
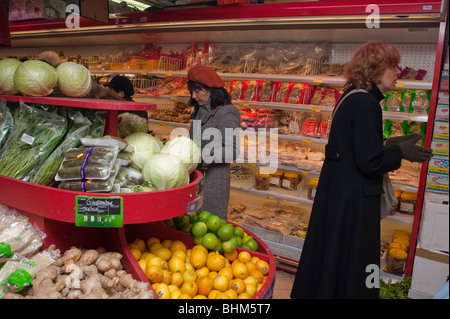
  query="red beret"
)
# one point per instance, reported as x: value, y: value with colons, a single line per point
x: 205, y: 75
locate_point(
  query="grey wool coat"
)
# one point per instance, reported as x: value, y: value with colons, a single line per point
x: 218, y: 131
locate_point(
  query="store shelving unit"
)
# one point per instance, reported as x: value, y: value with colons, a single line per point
x: 401, y: 21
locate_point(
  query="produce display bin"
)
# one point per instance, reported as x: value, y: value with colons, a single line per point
x: 162, y: 231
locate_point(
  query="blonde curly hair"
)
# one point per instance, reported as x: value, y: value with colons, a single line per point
x: 368, y: 64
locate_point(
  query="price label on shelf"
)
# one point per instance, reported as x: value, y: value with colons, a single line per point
x: 93, y: 211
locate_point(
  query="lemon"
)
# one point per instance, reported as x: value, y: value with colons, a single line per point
x: 177, y: 279
x: 163, y: 291
x: 176, y: 264
x: 221, y: 282
x: 164, y: 253
x: 166, y: 243
x: 136, y: 253
x: 177, y: 244
x: 140, y: 243
x: 152, y: 240
x: 198, y: 258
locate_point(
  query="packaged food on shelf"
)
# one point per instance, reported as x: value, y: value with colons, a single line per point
x: 420, y: 101
x: 88, y: 163
x: 408, y: 202
x: 396, y: 261
x: 290, y: 181
x: 312, y: 188
x: 276, y: 179
x: 262, y: 181
x: 394, y: 101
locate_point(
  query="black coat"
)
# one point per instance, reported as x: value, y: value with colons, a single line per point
x: 343, y: 236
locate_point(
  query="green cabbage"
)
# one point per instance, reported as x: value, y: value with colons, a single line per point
x: 145, y: 145
x: 130, y: 123
x: 35, y: 78
x: 74, y: 79
x: 186, y: 149
x: 165, y: 171
x: 7, y: 69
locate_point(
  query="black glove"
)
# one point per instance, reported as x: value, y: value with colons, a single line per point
x: 413, y: 152
x: 398, y: 139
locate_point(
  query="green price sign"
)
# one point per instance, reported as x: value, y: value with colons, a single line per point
x: 91, y: 211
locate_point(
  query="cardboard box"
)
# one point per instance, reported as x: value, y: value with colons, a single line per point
x: 438, y: 166
x: 430, y: 273
x: 442, y: 111
x: 435, y: 226
x: 36, y: 9
x: 438, y: 182
x: 441, y: 129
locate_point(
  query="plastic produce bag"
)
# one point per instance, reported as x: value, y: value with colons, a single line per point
x: 6, y: 122
x: 35, y: 135
x: 131, y: 123
x: 80, y: 126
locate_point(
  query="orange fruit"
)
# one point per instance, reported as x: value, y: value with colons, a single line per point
x: 259, y: 276
x: 215, y: 261
x: 227, y: 271
x: 220, y: 282
x: 204, y: 271
x: 140, y: 243
x: 154, y: 273
x: 179, y: 253
x: 177, y: 279
x: 238, y: 285
x: 239, y: 270
x: 231, y: 293
x: 162, y: 291
x: 164, y: 253
x: 189, y: 275
x: 143, y: 264
x: 212, y: 274
x: 250, y: 266
x: 176, y: 264
x: 157, y: 261
x: 154, y: 247
x: 136, y: 253
x: 189, y: 288
x: 231, y: 256
x: 167, y: 277
x: 254, y: 259
x: 213, y: 294
x: 202, y: 248
x: 177, y: 244
x: 244, y: 295
x: 262, y: 266
x: 222, y: 295
x: 152, y: 240
x: 250, y: 289
x: 166, y: 243
x: 250, y: 280
x: 205, y: 285
x: 244, y: 256
x: 198, y: 258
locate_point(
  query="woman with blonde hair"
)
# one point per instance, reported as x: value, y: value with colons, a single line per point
x: 341, y: 254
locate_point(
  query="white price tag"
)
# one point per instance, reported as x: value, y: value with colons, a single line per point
x: 27, y: 139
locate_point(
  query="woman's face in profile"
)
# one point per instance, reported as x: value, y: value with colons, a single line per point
x: 389, y: 79
x: 201, y: 96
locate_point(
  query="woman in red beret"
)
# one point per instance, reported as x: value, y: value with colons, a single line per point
x: 215, y: 126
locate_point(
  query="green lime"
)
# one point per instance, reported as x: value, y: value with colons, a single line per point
x: 219, y: 245
x: 213, y: 223
x: 238, y: 240
x: 246, y: 238
x: 199, y: 229
x: 229, y: 246
x: 252, y: 244
x: 198, y: 240
x: 238, y: 231
x: 203, y: 215
x: 209, y: 241
x: 225, y: 231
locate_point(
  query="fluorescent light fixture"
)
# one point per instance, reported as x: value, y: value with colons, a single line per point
x: 136, y: 4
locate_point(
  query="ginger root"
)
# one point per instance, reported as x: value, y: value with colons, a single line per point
x: 86, y: 274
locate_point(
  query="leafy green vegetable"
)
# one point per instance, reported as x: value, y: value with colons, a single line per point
x: 6, y: 122
x: 36, y: 134
x: 397, y: 290
x: 79, y: 128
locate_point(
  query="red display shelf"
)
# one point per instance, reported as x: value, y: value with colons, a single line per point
x: 59, y: 205
x: 102, y: 104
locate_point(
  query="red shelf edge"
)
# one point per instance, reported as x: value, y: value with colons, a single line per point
x: 82, y: 102
x: 59, y: 205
